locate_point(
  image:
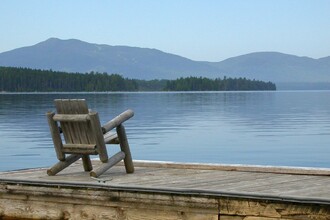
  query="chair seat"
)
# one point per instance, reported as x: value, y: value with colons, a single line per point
x: 111, y: 138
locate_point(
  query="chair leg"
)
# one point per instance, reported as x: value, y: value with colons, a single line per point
x: 87, y: 163
x: 59, y: 166
x: 129, y: 166
x: 110, y: 163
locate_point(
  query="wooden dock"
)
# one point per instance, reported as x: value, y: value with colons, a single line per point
x: 159, y: 190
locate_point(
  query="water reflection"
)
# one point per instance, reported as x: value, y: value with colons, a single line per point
x: 270, y: 128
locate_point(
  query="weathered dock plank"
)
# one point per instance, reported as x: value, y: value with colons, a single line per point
x: 168, y: 191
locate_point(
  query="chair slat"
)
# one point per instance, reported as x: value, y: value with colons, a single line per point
x: 85, y: 133
x: 87, y: 137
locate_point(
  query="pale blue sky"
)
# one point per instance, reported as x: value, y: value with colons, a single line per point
x: 208, y: 30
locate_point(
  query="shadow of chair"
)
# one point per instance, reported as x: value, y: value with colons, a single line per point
x: 80, y: 135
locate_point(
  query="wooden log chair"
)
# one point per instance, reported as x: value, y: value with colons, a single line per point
x: 83, y: 136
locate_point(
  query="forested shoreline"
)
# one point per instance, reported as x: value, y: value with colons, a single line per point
x: 225, y: 84
x: 14, y: 79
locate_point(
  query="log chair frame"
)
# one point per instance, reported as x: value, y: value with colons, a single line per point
x: 84, y: 136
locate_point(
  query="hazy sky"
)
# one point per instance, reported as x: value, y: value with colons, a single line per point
x: 210, y: 30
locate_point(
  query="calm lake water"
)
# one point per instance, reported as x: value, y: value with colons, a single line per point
x: 260, y: 128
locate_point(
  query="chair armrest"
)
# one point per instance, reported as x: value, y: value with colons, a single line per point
x: 117, y: 121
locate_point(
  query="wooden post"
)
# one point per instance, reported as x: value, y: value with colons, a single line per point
x: 99, y: 139
x: 63, y: 164
x: 125, y: 148
x: 105, y: 166
x: 54, y: 130
x: 87, y: 163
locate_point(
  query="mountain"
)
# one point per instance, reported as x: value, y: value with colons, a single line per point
x: 79, y: 56
x: 277, y: 67
x: 143, y: 63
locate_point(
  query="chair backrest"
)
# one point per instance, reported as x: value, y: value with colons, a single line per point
x: 75, y: 132
x: 81, y: 129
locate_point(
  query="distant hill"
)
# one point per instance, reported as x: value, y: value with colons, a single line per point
x: 277, y: 67
x: 143, y: 63
x: 79, y: 56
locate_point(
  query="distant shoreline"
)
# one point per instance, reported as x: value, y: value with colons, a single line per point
x: 14, y: 79
x: 160, y: 92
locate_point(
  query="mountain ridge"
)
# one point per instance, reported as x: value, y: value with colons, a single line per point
x: 74, y: 55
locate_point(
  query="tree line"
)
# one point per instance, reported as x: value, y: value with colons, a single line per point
x: 218, y: 84
x: 30, y: 80
x: 14, y: 79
